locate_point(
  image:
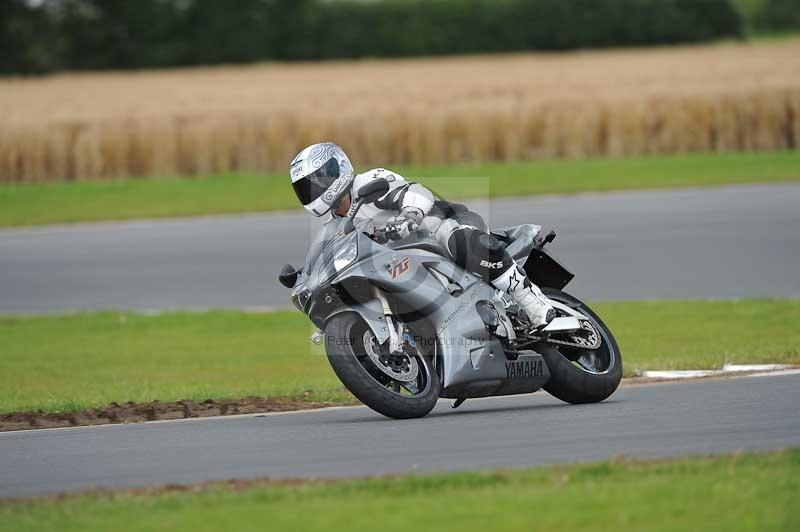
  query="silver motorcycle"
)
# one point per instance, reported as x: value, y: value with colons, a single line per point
x: 403, y: 325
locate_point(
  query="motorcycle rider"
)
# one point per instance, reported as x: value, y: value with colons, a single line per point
x: 324, y: 181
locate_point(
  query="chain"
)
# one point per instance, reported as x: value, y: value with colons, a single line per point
x: 591, y: 342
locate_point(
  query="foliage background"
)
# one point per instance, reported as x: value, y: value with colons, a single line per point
x: 53, y: 35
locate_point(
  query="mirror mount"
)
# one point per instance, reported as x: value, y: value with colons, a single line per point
x: 369, y: 193
x: 350, y: 225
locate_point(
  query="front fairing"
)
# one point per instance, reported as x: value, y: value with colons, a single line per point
x: 331, y: 254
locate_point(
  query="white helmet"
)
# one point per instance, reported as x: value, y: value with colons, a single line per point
x: 321, y: 175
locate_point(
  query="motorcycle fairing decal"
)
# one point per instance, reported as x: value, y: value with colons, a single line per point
x: 524, y: 369
x: 446, y: 321
x: 398, y: 269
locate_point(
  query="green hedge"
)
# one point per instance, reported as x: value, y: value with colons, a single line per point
x: 766, y: 16
x: 77, y: 34
x: 414, y: 27
x: 778, y: 15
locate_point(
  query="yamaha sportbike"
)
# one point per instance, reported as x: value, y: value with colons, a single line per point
x: 403, y: 325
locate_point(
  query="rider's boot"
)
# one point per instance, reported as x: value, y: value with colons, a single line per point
x: 527, y: 295
x: 484, y: 254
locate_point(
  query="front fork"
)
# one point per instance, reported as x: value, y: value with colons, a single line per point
x: 396, y: 331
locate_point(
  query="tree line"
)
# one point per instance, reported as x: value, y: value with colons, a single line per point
x: 51, y: 35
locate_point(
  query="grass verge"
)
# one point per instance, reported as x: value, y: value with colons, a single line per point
x: 738, y: 492
x: 35, y: 204
x: 73, y: 362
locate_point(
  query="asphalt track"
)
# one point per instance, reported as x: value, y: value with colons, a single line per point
x: 737, y: 241
x: 650, y: 421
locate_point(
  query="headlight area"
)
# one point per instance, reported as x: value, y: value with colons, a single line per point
x: 346, y: 256
x: 300, y: 298
x: 339, y: 260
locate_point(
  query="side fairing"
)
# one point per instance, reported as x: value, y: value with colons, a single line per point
x: 443, y: 303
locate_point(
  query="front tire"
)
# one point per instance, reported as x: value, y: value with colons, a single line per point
x: 346, y: 335
x: 572, y: 382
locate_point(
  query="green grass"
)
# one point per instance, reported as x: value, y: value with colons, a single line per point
x: 740, y: 492
x: 78, y: 361
x: 33, y: 204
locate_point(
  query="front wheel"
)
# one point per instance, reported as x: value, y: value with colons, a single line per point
x: 579, y: 375
x: 400, y: 385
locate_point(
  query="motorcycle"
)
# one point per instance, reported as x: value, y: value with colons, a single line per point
x: 403, y: 325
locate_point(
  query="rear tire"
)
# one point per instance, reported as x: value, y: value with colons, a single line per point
x: 570, y: 382
x: 355, y: 369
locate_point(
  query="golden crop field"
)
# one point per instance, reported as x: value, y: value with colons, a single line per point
x: 521, y: 106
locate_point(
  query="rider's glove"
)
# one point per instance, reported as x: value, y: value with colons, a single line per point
x: 404, y: 224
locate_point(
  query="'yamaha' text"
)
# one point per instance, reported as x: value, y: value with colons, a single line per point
x: 522, y: 369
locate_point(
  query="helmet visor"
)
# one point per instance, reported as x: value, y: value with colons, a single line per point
x: 311, y: 187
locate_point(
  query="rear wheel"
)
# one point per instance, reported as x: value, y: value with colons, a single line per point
x: 401, y: 386
x: 581, y: 375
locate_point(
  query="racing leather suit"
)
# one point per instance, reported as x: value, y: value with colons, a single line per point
x: 461, y: 232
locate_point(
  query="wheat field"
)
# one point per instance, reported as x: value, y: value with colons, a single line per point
x: 724, y: 97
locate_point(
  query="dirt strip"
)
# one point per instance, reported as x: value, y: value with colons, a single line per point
x: 154, y: 491
x: 161, y: 411
x: 156, y: 411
